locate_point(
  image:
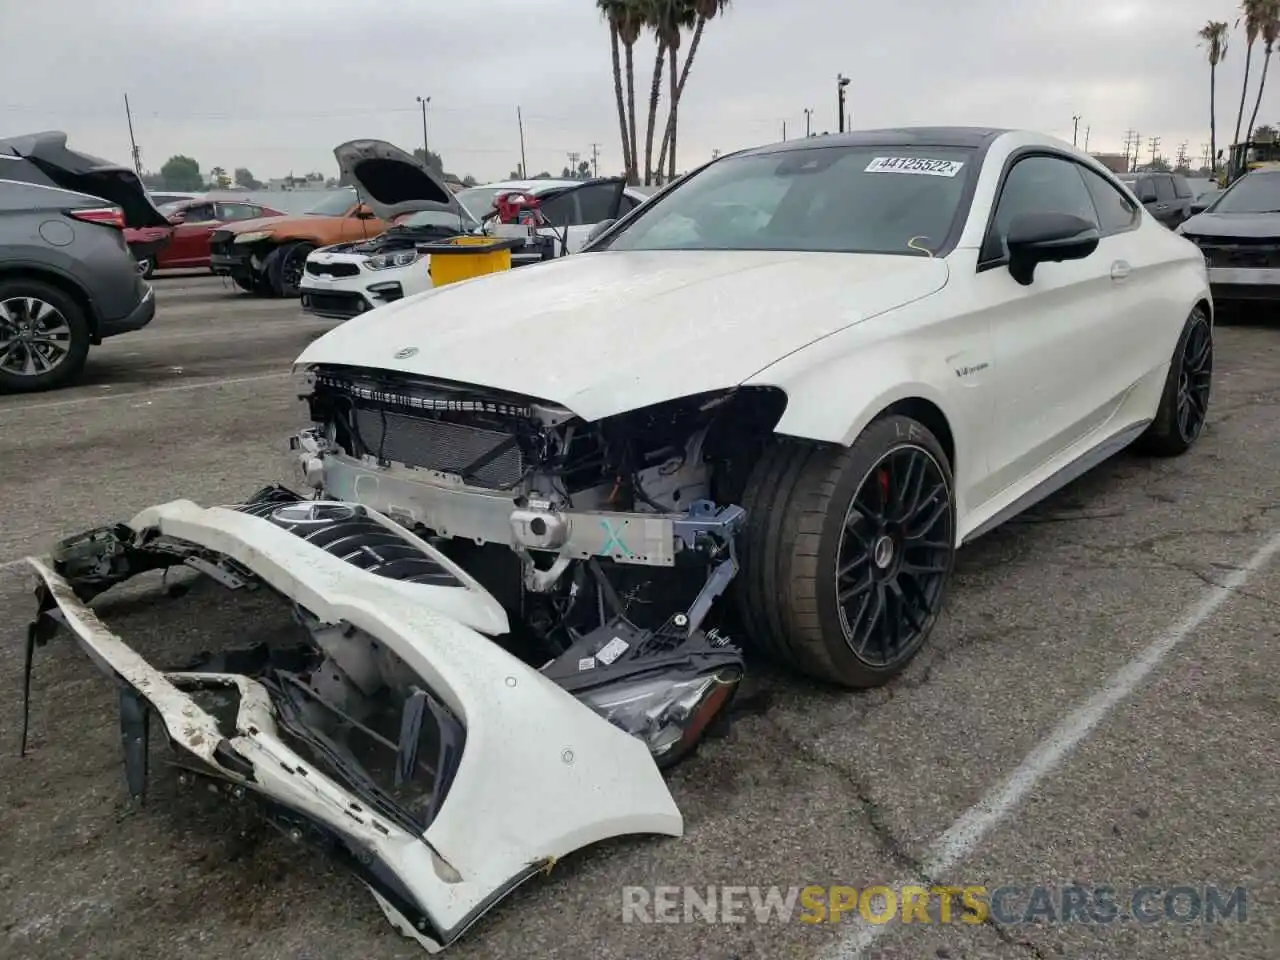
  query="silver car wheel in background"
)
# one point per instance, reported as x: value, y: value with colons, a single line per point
x: 35, y: 337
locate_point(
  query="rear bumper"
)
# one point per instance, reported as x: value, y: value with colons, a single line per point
x: 136, y: 319
x: 540, y: 773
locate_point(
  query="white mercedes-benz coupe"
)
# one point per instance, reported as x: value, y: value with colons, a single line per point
x: 548, y: 508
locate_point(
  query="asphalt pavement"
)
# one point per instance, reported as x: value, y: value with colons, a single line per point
x: 1098, y: 709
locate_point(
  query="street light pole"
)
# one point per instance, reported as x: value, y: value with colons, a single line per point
x: 841, y: 82
x: 807, y: 114
x: 1075, y: 127
x: 426, y: 150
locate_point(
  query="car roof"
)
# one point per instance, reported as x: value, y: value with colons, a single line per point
x: 972, y: 137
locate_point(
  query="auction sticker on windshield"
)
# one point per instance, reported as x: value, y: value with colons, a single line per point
x: 921, y: 165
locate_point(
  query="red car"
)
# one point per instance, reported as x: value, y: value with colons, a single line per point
x: 185, y: 244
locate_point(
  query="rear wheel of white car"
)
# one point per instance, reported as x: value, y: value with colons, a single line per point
x: 44, y: 337
x: 284, y: 268
x: 848, y: 552
x: 1184, y: 404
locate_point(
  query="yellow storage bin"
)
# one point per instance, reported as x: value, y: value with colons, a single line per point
x: 462, y: 258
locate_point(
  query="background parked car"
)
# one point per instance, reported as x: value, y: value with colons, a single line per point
x: 1167, y: 196
x: 572, y: 206
x: 67, y: 280
x: 194, y: 223
x: 172, y: 196
x: 267, y: 255
x: 1239, y: 235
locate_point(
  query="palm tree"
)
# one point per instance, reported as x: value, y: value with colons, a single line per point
x: 670, y: 19
x: 1214, y: 35
x: 1252, y: 23
x: 655, y: 14
x: 704, y: 10
x: 630, y: 25
x: 1269, y: 27
x: 613, y: 12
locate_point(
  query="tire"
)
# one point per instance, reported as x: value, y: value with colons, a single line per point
x: 147, y: 267
x: 280, y: 264
x: 1184, y: 402
x: 29, y: 308
x: 798, y: 499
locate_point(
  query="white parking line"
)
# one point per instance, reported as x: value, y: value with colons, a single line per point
x: 176, y: 388
x: 964, y: 836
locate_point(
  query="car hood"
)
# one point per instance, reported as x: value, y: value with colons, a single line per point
x: 603, y: 333
x: 392, y: 182
x: 83, y: 173
x: 1233, y: 225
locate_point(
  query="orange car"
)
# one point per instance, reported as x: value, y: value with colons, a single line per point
x: 267, y: 255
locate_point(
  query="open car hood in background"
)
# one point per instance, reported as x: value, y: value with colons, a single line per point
x: 83, y: 173
x: 392, y: 182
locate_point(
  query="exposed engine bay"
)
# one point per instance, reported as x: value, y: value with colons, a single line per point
x: 481, y: 595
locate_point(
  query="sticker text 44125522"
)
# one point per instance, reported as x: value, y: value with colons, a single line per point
x: 918, y: 165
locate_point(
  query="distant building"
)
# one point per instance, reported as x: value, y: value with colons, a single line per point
x: 1115, y: 162
x: 310, y: 182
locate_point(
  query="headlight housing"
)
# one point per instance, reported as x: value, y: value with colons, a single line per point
x: 253, y: 236
x: 387, y: 261
x: 668, y: 715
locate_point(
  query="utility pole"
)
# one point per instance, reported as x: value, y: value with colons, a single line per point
x: 1181, y: 160
x: 1086, y: 138
x: 808, y: 114
x: 573, y: 166
x: 1075, y: 127
x: 426, y: 150
x: 595, y: 159
x: 715, y: 154
x: 1137, y: 145
x: 784, y: 131
x: 1205, y: 159
x: 1128, y: 143
x: 841, y: 82
x: 137, y: 157
x: 524, y: 167
x: 1154, y: 143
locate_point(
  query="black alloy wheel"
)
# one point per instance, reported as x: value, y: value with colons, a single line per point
x: 1195, y: 376
x: 895, y: 556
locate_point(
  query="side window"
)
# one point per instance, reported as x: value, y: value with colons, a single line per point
x: 237, y: 211
x: 1116, y: 212
x: 1164, y: 188
x: 1037, y: 185
x: 199, y: 213
x: 562, y: 211
x: 1182, y: 188
x: 595, y: 203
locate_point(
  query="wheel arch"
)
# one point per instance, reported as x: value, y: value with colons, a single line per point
x: 59, y: 280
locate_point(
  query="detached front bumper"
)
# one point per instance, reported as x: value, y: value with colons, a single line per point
x: 540, y: 774
x: 1244, y: 283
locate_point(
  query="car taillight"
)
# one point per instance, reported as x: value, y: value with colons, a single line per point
x: 107, y: 216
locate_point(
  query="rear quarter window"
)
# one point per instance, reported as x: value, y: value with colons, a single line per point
x: 1182, y: 188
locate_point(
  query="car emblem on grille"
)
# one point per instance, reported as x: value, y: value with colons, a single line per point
x: 406, y: 353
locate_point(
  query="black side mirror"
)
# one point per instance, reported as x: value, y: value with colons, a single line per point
x: 1200, y: 205
x: 1035, y: 238
x: 600, y: 228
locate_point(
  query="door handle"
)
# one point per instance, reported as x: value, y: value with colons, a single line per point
x: 1119, y: 270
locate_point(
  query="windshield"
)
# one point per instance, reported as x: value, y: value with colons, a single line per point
x: 1255, y: 193
x: 479, y: 200
x: 901, y: 200
x: 334, y: 205
x: 425, y: 219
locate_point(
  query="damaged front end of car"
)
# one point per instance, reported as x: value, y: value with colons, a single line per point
x: 502, y: 627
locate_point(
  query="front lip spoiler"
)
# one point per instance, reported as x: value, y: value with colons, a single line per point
x: 524, y: 794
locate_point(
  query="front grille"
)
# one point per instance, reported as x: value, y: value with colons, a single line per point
x: 333, y: 269
x: 335, y: 304
x: 1261, y: 254
x: 347, y: 532
x: 440, y: 445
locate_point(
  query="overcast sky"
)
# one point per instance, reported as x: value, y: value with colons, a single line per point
x: 274, y: 84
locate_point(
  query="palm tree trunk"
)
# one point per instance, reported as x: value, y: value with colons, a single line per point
x: 1213, y: 119
x: 655, y: 94
x: 633, y: 159
x: 617, y: 89
x: 672, y: 122
x: 1244, y: 90
x: 684, y: 75
x: 1262, y: 83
